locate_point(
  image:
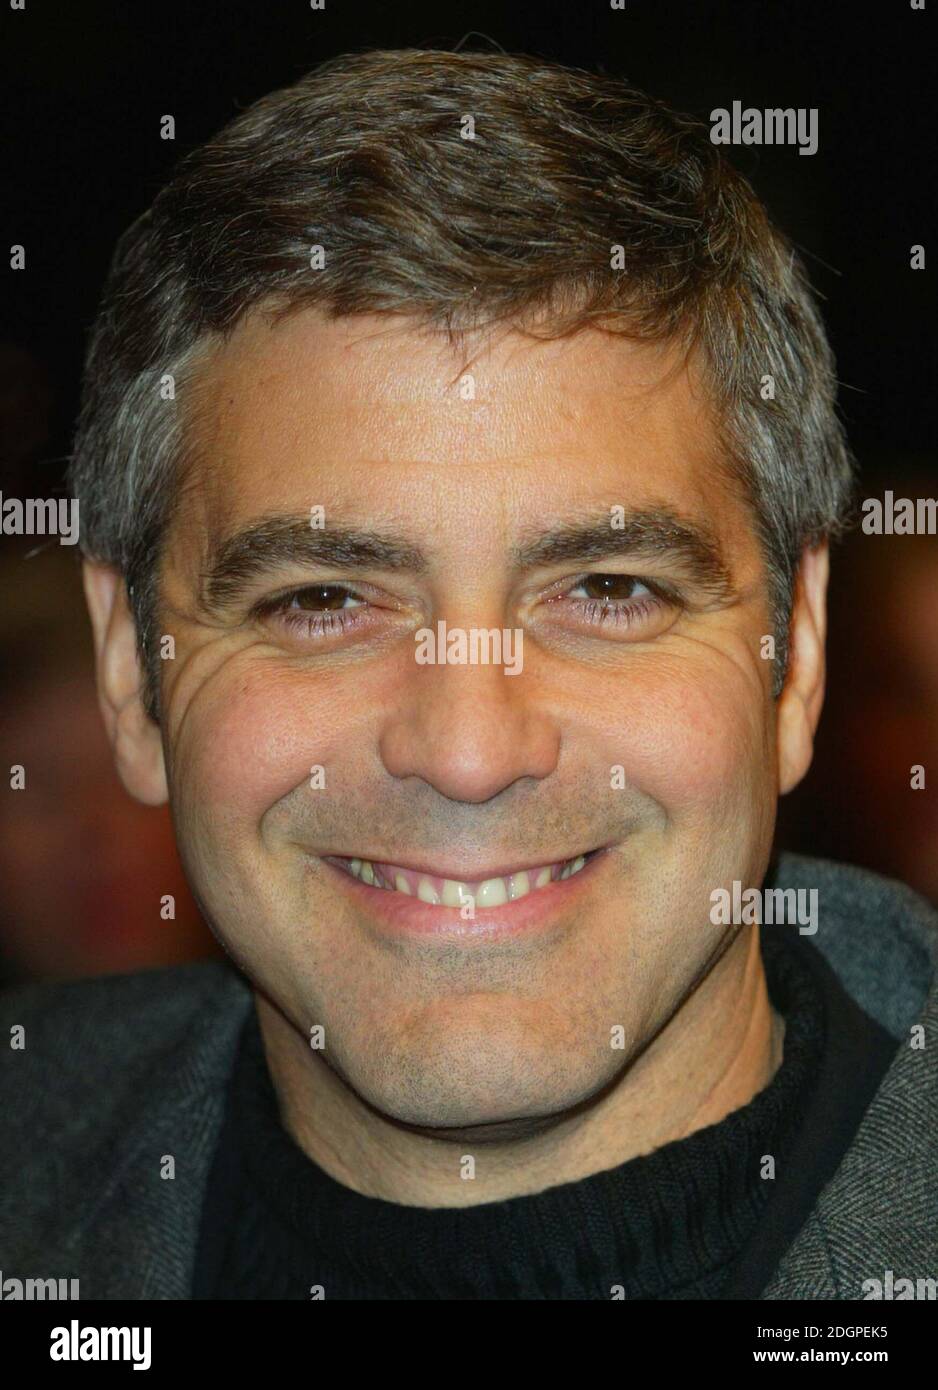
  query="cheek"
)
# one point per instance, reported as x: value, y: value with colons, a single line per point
x: 249, y: 738
x: 697, y: 744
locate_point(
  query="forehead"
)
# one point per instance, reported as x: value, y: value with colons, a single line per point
x: 312, y: 411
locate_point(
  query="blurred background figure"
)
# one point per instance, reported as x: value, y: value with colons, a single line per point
x: 84, y: 869
x: 881, y: 714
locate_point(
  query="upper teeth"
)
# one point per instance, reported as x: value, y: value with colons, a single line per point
x: 489, y: 892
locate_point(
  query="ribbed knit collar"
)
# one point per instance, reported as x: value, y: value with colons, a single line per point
x: 666, y: 1225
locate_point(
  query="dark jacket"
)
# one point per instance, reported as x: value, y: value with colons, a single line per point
x: 120, y: 1073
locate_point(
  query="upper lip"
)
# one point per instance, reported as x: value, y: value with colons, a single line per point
x: 466, y: 874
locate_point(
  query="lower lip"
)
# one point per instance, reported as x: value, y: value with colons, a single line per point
x: 401, y: 914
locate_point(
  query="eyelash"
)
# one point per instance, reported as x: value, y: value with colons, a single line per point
x: 316, y: 625
x: 622, y: 613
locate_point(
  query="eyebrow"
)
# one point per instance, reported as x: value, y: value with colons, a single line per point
x: 655, y: 534
x: 273, y: 543
x: 276, y: 542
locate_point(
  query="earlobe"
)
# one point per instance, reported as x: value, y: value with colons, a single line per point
x: 801, y: 701
x: 135, y: 739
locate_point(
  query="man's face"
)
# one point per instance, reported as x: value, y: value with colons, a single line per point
x: 641, y: 724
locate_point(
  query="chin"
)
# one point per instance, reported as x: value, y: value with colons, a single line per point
x: 473, y: 1114
x: 486, y: 1080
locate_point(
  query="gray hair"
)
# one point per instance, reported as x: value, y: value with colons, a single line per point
x: 365, y: 156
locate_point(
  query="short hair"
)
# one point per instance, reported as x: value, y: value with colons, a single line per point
x: 579, y: 202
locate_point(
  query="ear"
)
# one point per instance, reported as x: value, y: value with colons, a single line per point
x: 134, y: 738
x: 799, y: 706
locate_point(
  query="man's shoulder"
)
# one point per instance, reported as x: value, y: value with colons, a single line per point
x: 79, y: 1046
x: 877, y: 1211
x: 191, y: 979
x: 879, y: 935
x: 107, y: 1087
x: 857, y: 892
x: 113, y: 1009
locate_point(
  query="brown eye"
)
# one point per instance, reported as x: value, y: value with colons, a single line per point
x: 620, y: 604
x: 614, y: 587
x: 321, y: 598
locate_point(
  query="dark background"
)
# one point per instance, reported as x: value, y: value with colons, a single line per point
x: 85, y: 87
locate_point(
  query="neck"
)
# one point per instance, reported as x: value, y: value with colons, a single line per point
x: 720, y: 1048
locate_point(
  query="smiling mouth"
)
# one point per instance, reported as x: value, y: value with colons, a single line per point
x: 453, y: 892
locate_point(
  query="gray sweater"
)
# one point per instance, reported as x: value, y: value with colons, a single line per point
x: 122, y: 1074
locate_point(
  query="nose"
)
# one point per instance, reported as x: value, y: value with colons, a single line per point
x: 469, y: 731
